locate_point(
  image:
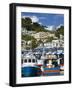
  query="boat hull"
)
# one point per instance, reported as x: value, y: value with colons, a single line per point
x: 51, y: 71
x: 31, y: 71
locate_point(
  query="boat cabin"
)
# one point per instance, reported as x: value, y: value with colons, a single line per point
x: 29, y: 60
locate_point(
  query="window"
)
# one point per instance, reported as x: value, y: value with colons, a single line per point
x: 22, y: 61
x: 33, y: 60
x: 29, y: 60
x: 25, y: 60
x: 22, y: 52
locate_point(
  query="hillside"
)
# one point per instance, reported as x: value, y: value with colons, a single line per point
x: 59, y: 31
x: 29, y: 25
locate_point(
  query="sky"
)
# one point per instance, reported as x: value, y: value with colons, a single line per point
x: 50, y: 20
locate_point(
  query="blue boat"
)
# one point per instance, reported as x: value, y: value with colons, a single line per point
x: 51, y: 71
x: 31, y: 71
x: 29, y: 66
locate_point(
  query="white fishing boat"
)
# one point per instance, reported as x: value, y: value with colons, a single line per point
x: 29, y: 60
x: 29, y: 66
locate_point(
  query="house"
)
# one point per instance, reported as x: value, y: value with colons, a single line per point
x: 42, y: 35
x: 58, y: 43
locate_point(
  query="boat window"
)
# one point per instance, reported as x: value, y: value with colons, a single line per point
x: 29, y: 60
x: 22, y: 52
x: 33, y: 60
x: 22, y: 61
x: 25, y: 60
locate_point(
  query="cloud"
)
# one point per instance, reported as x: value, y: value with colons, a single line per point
x: 51, y: 28
x: 40, y: 23
x: 33, y: 18
x: 59, y: 26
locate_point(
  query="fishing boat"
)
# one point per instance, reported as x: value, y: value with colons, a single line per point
x: 51, y: 71
x: 61, y: 59
x: 52, y: 68
x: 29, y: 66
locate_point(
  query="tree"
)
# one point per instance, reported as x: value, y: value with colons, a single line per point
x: 37, y: 27
x: 59, y: 31
x: 34, y: 43
x: 49, y: 39
x: 27, y: 38
x: 26, y: 23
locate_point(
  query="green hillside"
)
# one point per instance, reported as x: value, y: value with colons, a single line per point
x: 59, y: 31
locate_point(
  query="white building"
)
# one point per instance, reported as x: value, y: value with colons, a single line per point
x: 42, y: 35
x: 54, y: 43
